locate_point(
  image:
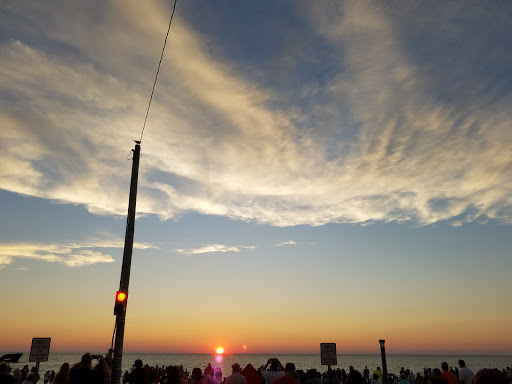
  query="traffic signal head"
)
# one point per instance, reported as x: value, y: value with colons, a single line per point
x: 120, y: 304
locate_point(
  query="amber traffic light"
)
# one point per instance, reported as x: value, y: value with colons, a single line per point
x: 120, y: 304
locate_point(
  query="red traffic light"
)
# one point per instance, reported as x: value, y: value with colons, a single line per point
x: 120, y: 304
x: 121, y: 296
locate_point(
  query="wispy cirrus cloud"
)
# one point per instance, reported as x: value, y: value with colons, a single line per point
x: 383, y: 130
x: 283, y: 243
x: 213, y: 248
x: 69, y: 254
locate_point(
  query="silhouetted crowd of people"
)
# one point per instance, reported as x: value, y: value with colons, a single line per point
x: 273, y: 372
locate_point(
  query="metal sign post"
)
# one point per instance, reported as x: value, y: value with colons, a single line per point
x: 39, y: 351
x: 328, y: 357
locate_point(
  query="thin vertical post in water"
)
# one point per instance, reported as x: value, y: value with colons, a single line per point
x: 125, y: 269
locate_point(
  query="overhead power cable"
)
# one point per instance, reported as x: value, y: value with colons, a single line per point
x: 158, y: 70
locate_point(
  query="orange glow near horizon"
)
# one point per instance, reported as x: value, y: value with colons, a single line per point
x: 84, y: 327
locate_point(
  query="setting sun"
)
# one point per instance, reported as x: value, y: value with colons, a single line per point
x: 220, y: 350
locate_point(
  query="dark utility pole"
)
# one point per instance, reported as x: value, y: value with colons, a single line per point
x: 125, y: 269
x: 384, y: 364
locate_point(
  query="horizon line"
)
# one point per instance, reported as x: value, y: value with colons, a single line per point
x: 290, y: 353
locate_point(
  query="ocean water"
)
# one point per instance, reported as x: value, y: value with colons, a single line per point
x: 302, y: 361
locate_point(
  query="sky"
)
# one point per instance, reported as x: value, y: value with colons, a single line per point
x: 310, y: 171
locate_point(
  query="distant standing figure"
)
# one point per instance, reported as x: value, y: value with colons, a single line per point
x: 236, y: 377
x: 465, y: 374
x: 366, y: 375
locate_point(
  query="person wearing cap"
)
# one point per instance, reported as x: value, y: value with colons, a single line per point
x: 236, y: 377
x: 290, y: 376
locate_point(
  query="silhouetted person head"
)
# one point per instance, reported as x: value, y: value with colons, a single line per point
x: 444, y: 366
x: 138, y: 363
x: 197, y: 374
x: 173, y: 375
x: 236, y: 367
x: 209, y: 370
x: 64, y: 369
x: 490, y: 376
x: 86, y: 360
x: 289, y: 367
x: 274, y: 365
x: 462, y: 363
x: 4, y: 368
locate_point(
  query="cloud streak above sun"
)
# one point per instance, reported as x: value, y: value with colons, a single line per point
x: 213, y: 248
x: 383, y: 132
x: 283, y: 243
x: 69, y: 254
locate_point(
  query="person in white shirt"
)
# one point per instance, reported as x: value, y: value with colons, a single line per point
x: 236, y: 377
x: 465, y: 374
